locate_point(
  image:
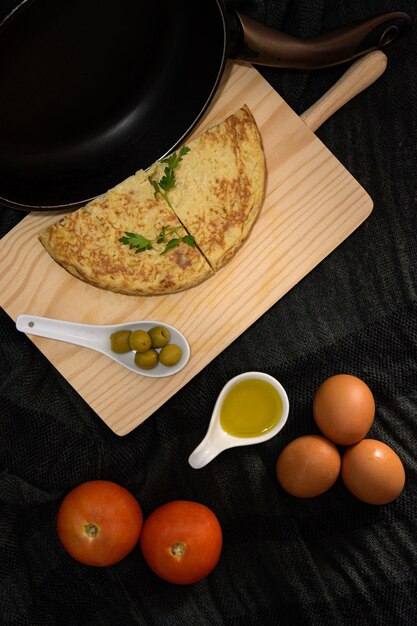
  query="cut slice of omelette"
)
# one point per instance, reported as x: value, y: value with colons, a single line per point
x: 218, y: 192
x: 86, y: 243
x: 219, y: 186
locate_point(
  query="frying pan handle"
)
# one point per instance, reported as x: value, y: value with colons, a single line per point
x: 358, y: 77
x: 262, y: 45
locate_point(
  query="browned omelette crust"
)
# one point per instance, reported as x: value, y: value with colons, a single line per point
x: 86, y: 243
x: 220, y: 186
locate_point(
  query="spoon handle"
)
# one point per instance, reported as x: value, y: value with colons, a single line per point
x: 203, y: 454
x: 85, y: 335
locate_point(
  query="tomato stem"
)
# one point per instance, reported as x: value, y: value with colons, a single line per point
x: 91, y: 530
x: 178, y: 549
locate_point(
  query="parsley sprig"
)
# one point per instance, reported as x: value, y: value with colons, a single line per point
x: 139, y: 243
x: 167, y: 181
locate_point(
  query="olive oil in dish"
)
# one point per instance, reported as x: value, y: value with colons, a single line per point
x: 251, y: 408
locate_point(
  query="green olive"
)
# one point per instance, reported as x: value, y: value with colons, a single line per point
x: 119, y: 341
x: 147, y: 360
x: 170, y: 355
x: 159, y: 336
x: 140, y: 341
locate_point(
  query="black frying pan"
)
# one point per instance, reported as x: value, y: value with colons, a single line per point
x: 92, y: 90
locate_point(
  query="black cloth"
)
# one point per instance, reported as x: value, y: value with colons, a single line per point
x: 324, y: 561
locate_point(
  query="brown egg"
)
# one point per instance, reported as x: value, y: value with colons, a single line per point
x: 308, y: 466
x: 373, y: 472
x: 344, y: 409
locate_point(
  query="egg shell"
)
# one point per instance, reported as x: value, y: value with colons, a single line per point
x: 308, y: 466
x: 373, y: 472
x: 344, y: 409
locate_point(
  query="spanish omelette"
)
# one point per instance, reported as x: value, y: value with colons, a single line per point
x: 218, y: 192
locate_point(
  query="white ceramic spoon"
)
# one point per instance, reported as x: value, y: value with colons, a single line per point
x: 97, y: 337
x: 217, y: 439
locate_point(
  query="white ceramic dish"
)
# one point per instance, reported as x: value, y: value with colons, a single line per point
x: 217, y: 440
x: 97, y: 337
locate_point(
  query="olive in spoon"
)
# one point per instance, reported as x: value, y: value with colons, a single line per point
x: 97, y: 337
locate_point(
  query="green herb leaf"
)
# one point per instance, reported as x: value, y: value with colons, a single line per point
x: 136, y: 242
x: 139, y: 243
x: 168, y: 180
x: 176, y: 157
x: 189, y: 240
x: 171, y: 244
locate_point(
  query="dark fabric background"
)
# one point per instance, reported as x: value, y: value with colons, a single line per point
x: 326, y: 561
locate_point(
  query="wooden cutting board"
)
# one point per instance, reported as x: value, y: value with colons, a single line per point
x: 312, y: 204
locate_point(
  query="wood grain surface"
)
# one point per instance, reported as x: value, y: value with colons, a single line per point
x: 312, y: 204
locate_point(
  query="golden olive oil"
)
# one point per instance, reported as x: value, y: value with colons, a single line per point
x: 251, y: 408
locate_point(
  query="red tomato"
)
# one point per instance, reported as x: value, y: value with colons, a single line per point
x: 181, y: 541
x: 99, y: 522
